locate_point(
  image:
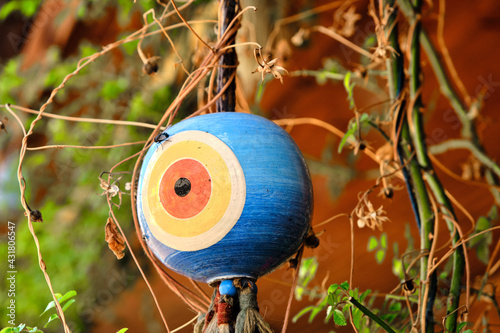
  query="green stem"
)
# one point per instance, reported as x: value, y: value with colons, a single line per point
x: 381, y: 131
x: 416, y: 184
x: 394, y: 64
x: 319, y: 74
x: 322, y: 75
x: 418, y: 135
x: 427, y: 223
x: 445, y: 84
x: 371, y: 315
x: 448, y: 90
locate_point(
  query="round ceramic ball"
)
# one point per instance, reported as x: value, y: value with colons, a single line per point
x: 224, y: 195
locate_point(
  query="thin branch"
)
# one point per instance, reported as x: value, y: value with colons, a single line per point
x: 82, y: 119
x: 292, y: 290
x: 466, y: 144
x: 110, y: 205
x: 342, y: 40
x: 189, y: 26
x: 86, y: 147
x: 446, y: 54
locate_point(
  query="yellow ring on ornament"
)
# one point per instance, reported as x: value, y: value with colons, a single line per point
x: 227, y: 198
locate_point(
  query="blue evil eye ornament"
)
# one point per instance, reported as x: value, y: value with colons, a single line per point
x: 224, y: 195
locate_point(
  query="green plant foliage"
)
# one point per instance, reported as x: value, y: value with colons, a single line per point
x: 379, y: 246
x: 349, y: 88
x: 20, y: 328
x: 338, y: 318
x: 483, y: 241
x: 65, y: 300
x: 26, y: 7
x: 364, y: 119
x: 338, y: 306
x: 307, y: 272
x: 10, y: 81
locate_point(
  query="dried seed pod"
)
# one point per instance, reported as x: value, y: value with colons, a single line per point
x: 150, y: 67
x: 36, y: 216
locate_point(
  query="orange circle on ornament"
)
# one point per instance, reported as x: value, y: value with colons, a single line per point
x: 196, y: 181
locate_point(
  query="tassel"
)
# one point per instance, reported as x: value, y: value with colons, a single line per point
x: 225, y: 321
x: 200, y: 322
x: 210, y: 319
x: 249, y: 319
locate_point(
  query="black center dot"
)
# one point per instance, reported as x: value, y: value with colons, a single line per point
x: 182, y: 187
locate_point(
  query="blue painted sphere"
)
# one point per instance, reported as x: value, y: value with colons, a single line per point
x: 227, y: 287
x: 224, y: 195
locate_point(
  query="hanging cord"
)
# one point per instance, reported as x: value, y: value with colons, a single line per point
x: 249, y: 319
x: 229, y: 60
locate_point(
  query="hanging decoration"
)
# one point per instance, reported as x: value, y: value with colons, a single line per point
x: 225, y: 198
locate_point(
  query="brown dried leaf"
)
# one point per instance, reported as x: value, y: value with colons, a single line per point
x: 115, y: 240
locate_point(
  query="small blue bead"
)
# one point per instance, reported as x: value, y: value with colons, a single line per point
x: 227, y: 287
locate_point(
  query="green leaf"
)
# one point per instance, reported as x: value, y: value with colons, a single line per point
x: 483, y: 253
x: 51, y: 304
x: 379, y: 256
x: 61, y: 299
x: 307, y: 271
x: 299, y: 292
x: 68, y: 295
x: 482, y: 242
x: 68, y: 304
x: 123, y: 330
x: 364, y: 118
x: 397, y: 268
x: 383, y: 240
x: 349, y: 86
x: 350, y: 132
x: 333, y: 288
x: 357, y: 315
x: 344, y: 285
x: 26, y: 7
x: 338, y: 318
x: 395, y: 306
x: 302, y: 312
x: 482, y: 224
x: 51, y: 318
x: 35, y: 330
x: 372, y: 243
x: 364, y: 294
x: 460, y: 326
x: 5, y: 11
x: 332, y: 299
x: 315, y: 311
x: 493, y: 213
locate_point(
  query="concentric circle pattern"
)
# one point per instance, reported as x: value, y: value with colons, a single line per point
x: 185, y: 188
x: 194, y: 191
x: 225, y: 195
